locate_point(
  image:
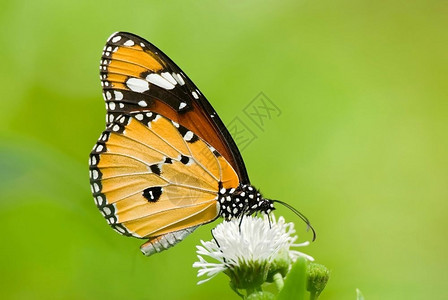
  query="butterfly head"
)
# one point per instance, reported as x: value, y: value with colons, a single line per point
x: 244, y: 200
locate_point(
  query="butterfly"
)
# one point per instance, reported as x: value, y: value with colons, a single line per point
x: 165, y: 164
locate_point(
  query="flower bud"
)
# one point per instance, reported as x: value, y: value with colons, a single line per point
x: 318, y: 276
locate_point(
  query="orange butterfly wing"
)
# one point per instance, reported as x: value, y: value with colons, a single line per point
x: 153, y: 178
x: 137, y: 76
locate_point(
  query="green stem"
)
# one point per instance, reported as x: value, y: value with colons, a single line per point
x: 314, y: 295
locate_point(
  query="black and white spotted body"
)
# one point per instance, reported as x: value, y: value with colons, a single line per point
x: 244, y: 200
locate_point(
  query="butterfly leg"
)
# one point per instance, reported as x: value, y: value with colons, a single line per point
x: 241, y: 221
x: 243, y: 213
x: 270, y: 222
x: 217, y: 243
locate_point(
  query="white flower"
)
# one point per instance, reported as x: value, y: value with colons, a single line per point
x: 247, y: 248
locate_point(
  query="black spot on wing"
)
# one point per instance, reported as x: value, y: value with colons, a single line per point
x: 184, y: 159
x: 155, y: 169
x: 153, y: 194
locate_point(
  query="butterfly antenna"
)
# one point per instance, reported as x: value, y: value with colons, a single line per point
x: 301, y: 216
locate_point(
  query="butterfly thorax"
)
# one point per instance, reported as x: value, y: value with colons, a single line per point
x: 244, y: 200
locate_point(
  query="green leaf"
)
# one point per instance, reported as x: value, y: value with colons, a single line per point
x: 295, y: 283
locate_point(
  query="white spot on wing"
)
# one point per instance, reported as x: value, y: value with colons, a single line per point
x: 107, y: 211
x: 169, y: 77
x: 195, y: 95
x: 118, y: 95
x: 158, y: 80
x: 116, y: 39
x: 129, y: 43
x: 182, y: 105
x: 137, y: 85
x: 142, y: 103
x: 99, y: 200
x: 178, y: 78
x: 188, y: 136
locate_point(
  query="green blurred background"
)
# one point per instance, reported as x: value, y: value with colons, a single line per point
x: 360, y: 146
